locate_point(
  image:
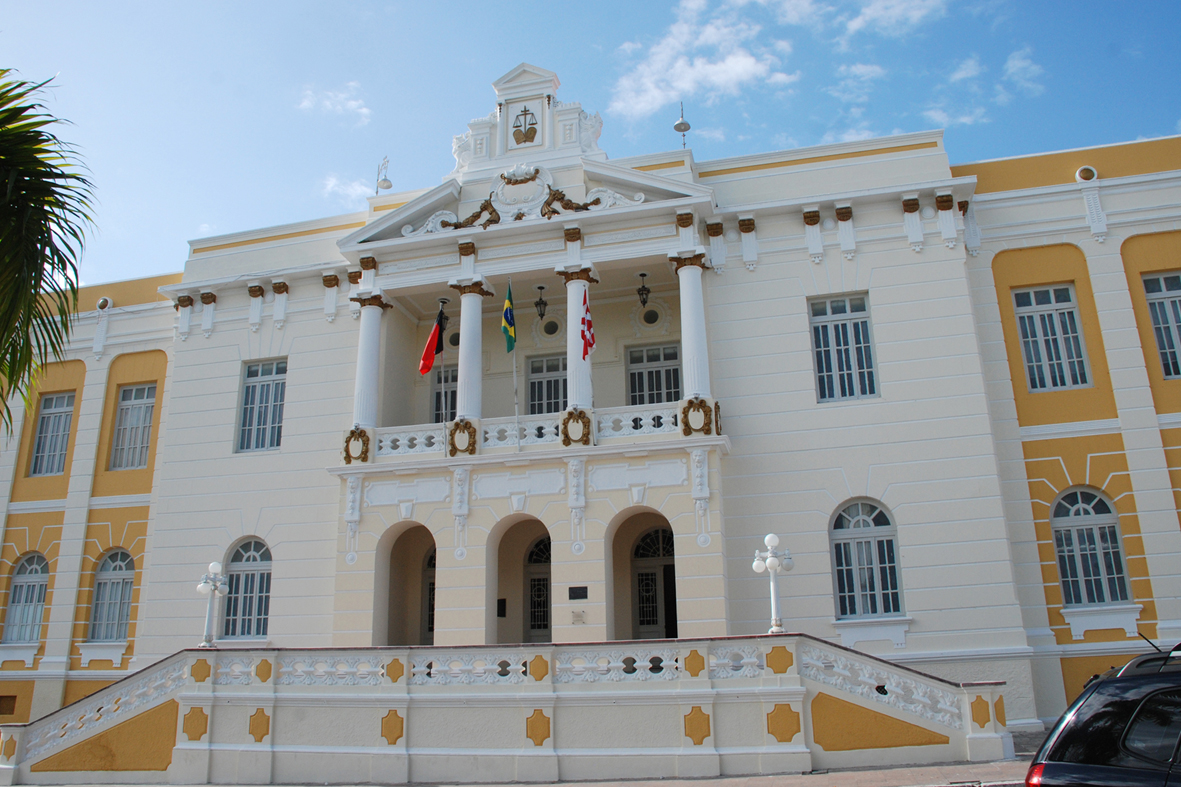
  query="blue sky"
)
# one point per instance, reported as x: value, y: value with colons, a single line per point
x: 198, y: 119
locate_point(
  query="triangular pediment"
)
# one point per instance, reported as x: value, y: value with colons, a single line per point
x: 413, y: 213
x: 656, y: 188
x: 525, y: 80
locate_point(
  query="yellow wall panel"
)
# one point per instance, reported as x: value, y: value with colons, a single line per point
x: 81, y: 689
x: 25, y: 533
x: 129, y: 369
x: 127, y: 293
x: 1155, y: 253
x: 1077, y: 671
x: 1045, y: 265
x: 23, y: 691
x: 55, y: 378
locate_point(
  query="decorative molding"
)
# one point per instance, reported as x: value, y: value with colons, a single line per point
x: 461, y: 430
x: 655, y: 473
x: 846, y: 232
x: 352, y: 517
x: 434, y: 489
x: 857, y: 630
x: 465, y: 667
x: 1164, y: 420
x: 476, y: 287
x: 37, y: 506
x: 750, y: 240
x: 583, y: 274
x: 699, y: 471
x: 583, y: 421
x: 971, y: 228
x: 98, y: 651
x: 316, y: 669
x: 1071, y: 429
x: 912, y: 221
x: 689, y: 409
x: 735, y: 661
x: 234, y: 669
x: 372, y: 300
x: 357, y: 434
x: 1096, y: 218
x: 715, y: 231
x: 695, y: 261
x: 208, y: 307
x: 20, y: 651
x: 110, y: 501
x: 572, y: 234
x: 1109, y: 616
x: 903, y: 692
x: 497, y: 486
x: 612, y: 665
x: 944, y: 205
x: 368, y: 264
x: 208, y: 298
x: 812, y: 236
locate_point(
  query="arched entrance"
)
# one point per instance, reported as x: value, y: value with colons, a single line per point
x: 411, y: 591
x: 521, y: 596
x: 644, y: 578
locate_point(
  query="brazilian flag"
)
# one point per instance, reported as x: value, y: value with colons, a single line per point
x: 508, y: 324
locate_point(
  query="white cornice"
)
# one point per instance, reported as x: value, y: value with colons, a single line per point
x: 961, y: 188
x: 1070, y: 429
x: 1042, y: 194
x: 311, y: 271
x: 260, y: 236
x: 860, y: 146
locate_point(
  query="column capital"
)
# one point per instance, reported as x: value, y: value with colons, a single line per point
x: 372, y: 300
x: 476, y: 287
x: 695, y: 260
x: 255, y: 290
x: 354, y: 277
x: 331, y: 280
x: 584, y: 274
x: 368, y: 263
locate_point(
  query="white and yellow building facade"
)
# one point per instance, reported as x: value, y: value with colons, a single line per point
x: 948, y: 389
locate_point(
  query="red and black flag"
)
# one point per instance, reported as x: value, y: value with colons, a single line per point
x: 434, y: 345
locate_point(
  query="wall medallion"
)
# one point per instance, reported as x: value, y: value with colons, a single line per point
x: 357, y: 435
x: 696, y: 416
x: 461, y: 438
x: 576, y: 428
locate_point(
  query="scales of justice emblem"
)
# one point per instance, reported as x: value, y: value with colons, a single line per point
x: 524, y: 126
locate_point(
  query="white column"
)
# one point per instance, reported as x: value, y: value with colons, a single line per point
x: 694, y: 350
x: 368, y: 361
x: 578, y: 370
x: 470, y: 386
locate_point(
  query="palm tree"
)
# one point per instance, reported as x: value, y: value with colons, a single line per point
x: 44, y: 209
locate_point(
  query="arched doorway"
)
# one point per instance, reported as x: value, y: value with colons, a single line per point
x: 643, y: 577
x: 519, y: 582
x: 411, y: 588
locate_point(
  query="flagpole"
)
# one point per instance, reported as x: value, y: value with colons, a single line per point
x: 516, y: 396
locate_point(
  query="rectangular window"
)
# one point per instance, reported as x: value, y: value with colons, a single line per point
x: 53, y: 433
x: 444, y: 391
x: 547, y: 385
x: 1090, y: 565
x: 1051, y: 339
x: 654, y: 374
x: 111, y: 612
x: 133, y: 427
x: 262, y: 406
x: 1164, y: 305
x: 843, y: 347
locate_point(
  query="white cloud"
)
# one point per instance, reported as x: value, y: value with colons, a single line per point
x: 205, y: 230
x: 1002, y: 96
x: 782, y: 140
x: 944, y: 120
x: 800, y: 12
x: 1022, y: 72
x: 856, y: 82
x: 695, y: 56
x: 348, y: 193
x: 967, y: 70
x: 782, y: 47
x: 783, y: 79
x: 627, y: 47
x: 894, y: 17
x: 337, y: 102
x: 715, y: 134
x: 849, y: 135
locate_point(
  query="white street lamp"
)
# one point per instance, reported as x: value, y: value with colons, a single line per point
x: 773, y: 562
x: 213, y: 585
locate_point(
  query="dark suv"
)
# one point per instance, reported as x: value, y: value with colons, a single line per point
x: 1121, y: 731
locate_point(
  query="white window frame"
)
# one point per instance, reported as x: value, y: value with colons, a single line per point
x: 1163, y: 293
x: 51, y: 443
x: 664, y: 370
x: 864, y: 560
x: 110, y: 608
x: 444, y: 393
x: 842, y: 348
x: 538, y: 591
x: 26, y: 600
x: 544, y: 384
x: 246, y: 614
x: 263, y: 395
x: 1053, y: 348
x: 132, y: 438
x: 1088, y: 550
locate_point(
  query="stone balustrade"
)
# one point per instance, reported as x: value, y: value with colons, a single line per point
x: 533, y: 712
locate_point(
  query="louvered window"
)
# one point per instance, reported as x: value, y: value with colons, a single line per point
x: 843, y: 348
x: 110, y: 612
x: 1051, y: 338
x: 53, y: 434
x: 133, y: 427
x: 1164, y: 306
x: 262, y: 406
x: 865, y: 562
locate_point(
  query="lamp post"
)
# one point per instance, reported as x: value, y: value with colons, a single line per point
x: 213, y: 585
x: 773, y: 561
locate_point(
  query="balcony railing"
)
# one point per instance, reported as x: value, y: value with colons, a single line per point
x: 611, y: 425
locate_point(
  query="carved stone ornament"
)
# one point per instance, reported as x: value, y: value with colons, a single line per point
x: 717, y: 417
x: 714, y: 230
x: 696, y: 416
x: 697, y: 261
x: 684, y: 220
x: 184, y: 301
x: 944, y: 201
x: 280, y: 288
x: 514, y: 176
x: 255, y: 291
x: 368, y: 264
x: 467, y: 249
x: 844, y: 213
x: 910, y: 205
x: 477, y: 287
x: 746, y: 225
x: 572, y: 234
x: 963, y: 206
x: 354, y: 277
x: 811, y: 218
x: 559, y: 198
x: 331, y: 280
x: 356, y: 435
x: 485, y: 207
x: 581, y: 273
x: 581, y: 423
x: 372, y: 300
x: 208, y: 298
x: 461, y: 438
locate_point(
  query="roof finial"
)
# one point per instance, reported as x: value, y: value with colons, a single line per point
x: 682, y: 126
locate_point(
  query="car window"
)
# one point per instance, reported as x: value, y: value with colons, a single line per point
x: 1092, y: 736
x: 1153, y: 731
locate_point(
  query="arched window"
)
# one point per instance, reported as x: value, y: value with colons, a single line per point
x: 865, y: 562
x: 248, y: 602
x: 26, y: 600
x: 537, y: 579
x: 111, y: 611
x: 654, y: 585
x: 1086, y: 539
x: 654, y: 544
